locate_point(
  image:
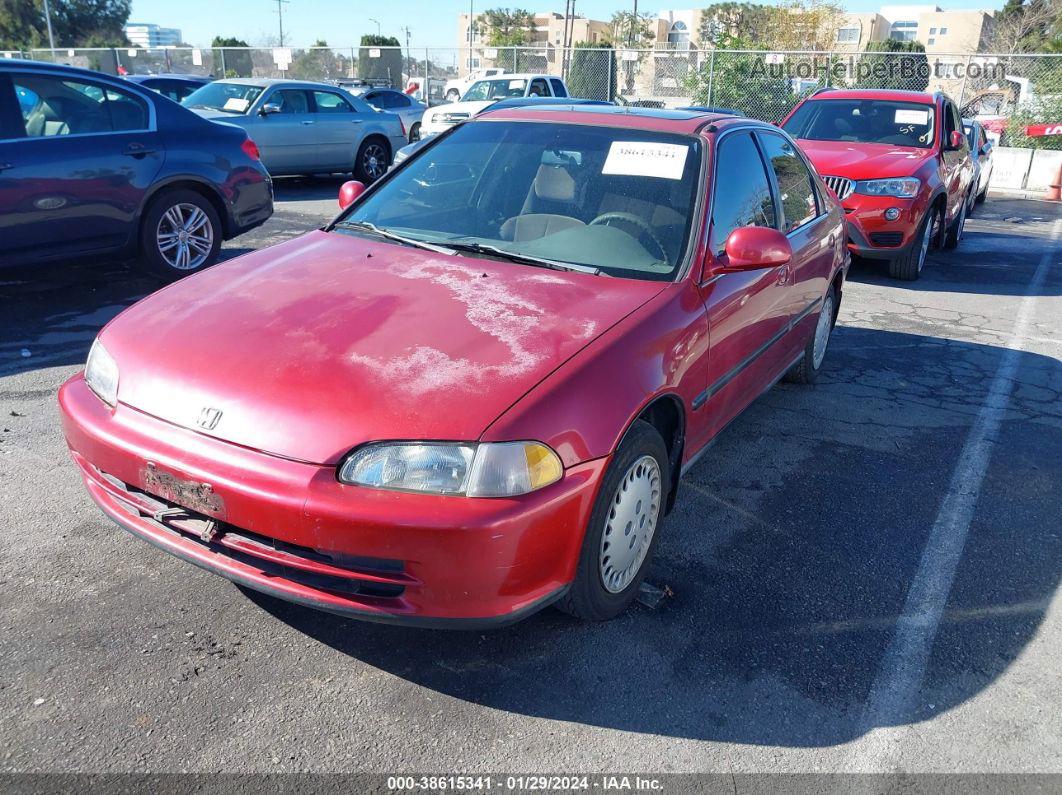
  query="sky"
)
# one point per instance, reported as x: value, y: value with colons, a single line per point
x: 432, y: 23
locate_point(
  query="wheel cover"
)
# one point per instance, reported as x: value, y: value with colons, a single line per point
x: 184, y: 236
x: 372, y: 160
x: 822, y: 331
x: 926, y: 237
x: 631, y: 523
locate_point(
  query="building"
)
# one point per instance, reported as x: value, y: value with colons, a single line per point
x: 956, y: 31
x: 858, y: 30
x: 149, y: 35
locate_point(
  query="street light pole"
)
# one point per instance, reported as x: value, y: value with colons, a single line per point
x: 377, y: 25
x: 48, y: 19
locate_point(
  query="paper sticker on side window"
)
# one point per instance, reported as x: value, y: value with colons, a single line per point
x: 912, y: 117
x: 643, y: 159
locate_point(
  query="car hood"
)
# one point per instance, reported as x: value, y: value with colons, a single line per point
x: 471, y: 108
x: 220, y: 115
x: 864, y: 161
x: 319, y: 344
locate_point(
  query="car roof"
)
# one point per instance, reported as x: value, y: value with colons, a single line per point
x: 517, y: 76
x: 657, y: 119
x: 169, y: 76
x: 893, y: 94
x: 7, y: 64
x: 266, y: 82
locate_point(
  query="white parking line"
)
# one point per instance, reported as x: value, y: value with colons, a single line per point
x: 903, y: 665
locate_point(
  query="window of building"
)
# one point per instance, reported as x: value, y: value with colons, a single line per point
x: 932, y: 31
x: 931, y: 41
x: 678, y: 38
x: 904, y: 31
x: 847, y: 35
x: 473, y: 63
x: 943, y: 31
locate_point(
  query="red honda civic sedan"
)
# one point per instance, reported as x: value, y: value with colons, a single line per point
x: 474, y: 392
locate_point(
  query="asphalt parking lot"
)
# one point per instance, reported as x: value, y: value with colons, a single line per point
x: 863, y: 574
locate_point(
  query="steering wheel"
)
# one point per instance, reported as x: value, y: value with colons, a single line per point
x: 643, y: 228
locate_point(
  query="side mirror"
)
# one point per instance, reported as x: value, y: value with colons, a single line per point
x: 750, y: 248
x: 349, y: 191
x: 986, y: 147
x: 269, y: 107
x: 956, y: 140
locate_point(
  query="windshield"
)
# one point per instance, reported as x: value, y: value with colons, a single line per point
x: 229, y: 97
x: 618, y: 200
x: 494, y: 89
x: 866, y: 121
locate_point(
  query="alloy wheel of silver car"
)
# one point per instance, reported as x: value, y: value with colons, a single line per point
x: 631, y: 524
x: 822, y: 331
x: 374, y: 160
x: 185, y: 236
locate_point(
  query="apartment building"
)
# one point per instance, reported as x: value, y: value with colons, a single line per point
x: 858, y: 30
x: 149, y: 35
x: 547, y: 41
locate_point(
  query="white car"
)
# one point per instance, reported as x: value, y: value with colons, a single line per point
x: 459, y: 85
x: 484, y: 93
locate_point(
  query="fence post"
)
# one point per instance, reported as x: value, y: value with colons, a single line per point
x: 962, y: 88
x: 711, y: 76
x: 611, y: 87
x: 829, y: 61
x: 224, y: 73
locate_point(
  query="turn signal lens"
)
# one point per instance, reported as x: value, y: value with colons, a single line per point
x: 511, y: 468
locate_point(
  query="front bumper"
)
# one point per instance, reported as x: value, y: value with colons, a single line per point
x: 290, y: 529
x: 871, y: 235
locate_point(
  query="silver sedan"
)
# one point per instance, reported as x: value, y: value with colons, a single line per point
x: 303, y: 127
x: 409, y: 109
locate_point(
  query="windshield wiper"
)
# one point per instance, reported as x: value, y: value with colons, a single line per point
x: 386, y: 233
x: 523, y: 259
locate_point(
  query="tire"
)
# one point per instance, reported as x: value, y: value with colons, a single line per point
x: 636, y: 483
x: 980, y: 199
x: 414, y: 133
x: 909, y: 266
x: 806, y: 371
x: 954, y: 235
x: 373, y: 160
x: 162, y: 252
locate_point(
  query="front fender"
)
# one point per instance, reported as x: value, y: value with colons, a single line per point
x: 585, y: 406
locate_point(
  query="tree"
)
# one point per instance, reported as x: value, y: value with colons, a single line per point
x: 721, y: 22
x: 232, y: 62
x: 507, y: 28
x: 901, y: 64
x: 75, y: 23
x: 1025, y: 25
x: 593, y: 71
x: 790, y: 25
x: 319, y: 63
x: 631, y: 31
x: 387, y: 66
x: 742, y: 80
x: 19, y: 25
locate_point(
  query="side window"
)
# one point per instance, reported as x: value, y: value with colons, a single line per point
x: 796, y: 188
x: 558, y: 88
x: 398, y: 100
x: 290, y: 100
x: 51, y: 106
x: 742, y: 194
x: 327, y: 102
x: 538, y: 88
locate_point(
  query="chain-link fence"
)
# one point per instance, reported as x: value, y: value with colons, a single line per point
x: 1007, y: 92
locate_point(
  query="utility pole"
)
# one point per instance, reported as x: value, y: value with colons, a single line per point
x: 564, y: 39
x: 377, y: 25
x: 280, y: 18
x: 48, y: 19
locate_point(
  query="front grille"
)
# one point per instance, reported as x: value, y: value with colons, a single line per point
x: 886, y: 239
x: 325, y: 570
x: 450, y: 118
x: 842, y: 186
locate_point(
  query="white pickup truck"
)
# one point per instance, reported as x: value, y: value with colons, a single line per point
x: 459, y: 85
x: 485, y: 92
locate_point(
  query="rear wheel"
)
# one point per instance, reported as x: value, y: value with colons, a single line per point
x: 374, y: 157
x: 180, y: 234
x: 806, y: 371
x: 622, y: 532
x: 951, y: 240
x: 909, y: 266
x: 414, y: 133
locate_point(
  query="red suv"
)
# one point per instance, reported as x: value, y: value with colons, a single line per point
x: 899, y: 163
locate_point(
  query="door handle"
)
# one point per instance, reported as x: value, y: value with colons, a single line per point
x: 137, y: 150
x: 308, y: 121
x: 355, y: 121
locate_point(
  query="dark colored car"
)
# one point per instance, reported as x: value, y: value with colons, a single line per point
x: 176, y: 87
x: 93, y: 165
x: 899, y: 162
x: 474, y: 392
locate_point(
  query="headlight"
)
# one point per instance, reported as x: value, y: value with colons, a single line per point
x: 101, y: 374
x: 472, y: 470
x: 901, y: 187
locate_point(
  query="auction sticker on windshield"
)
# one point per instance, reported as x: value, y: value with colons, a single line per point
x: 236, y: 103
x: 645, y: 159
x: 912, y: 117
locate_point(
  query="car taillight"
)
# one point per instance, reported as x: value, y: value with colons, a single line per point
x: 250, y: 148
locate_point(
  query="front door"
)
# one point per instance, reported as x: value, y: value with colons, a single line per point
x: 287, y: 139
x: 76, y: 171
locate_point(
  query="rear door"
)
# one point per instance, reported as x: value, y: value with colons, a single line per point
x: 811, y: 232
x: 748, y: 312
x: 76, y: 166
x: 287, y: 140
x: 956, y: 166
x: 338, y: 129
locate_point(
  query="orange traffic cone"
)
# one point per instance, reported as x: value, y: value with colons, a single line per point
x: 1054, y: 190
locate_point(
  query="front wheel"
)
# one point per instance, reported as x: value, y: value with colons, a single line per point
x: 414, y: 133
x: 909, y: 266
x: 806, y: 371
x: 622, y: 532
x: 374, y: 157
x: 951, y: 240
x: 180, y: 234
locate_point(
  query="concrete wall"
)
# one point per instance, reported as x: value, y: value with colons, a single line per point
x: 1024, y: 169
